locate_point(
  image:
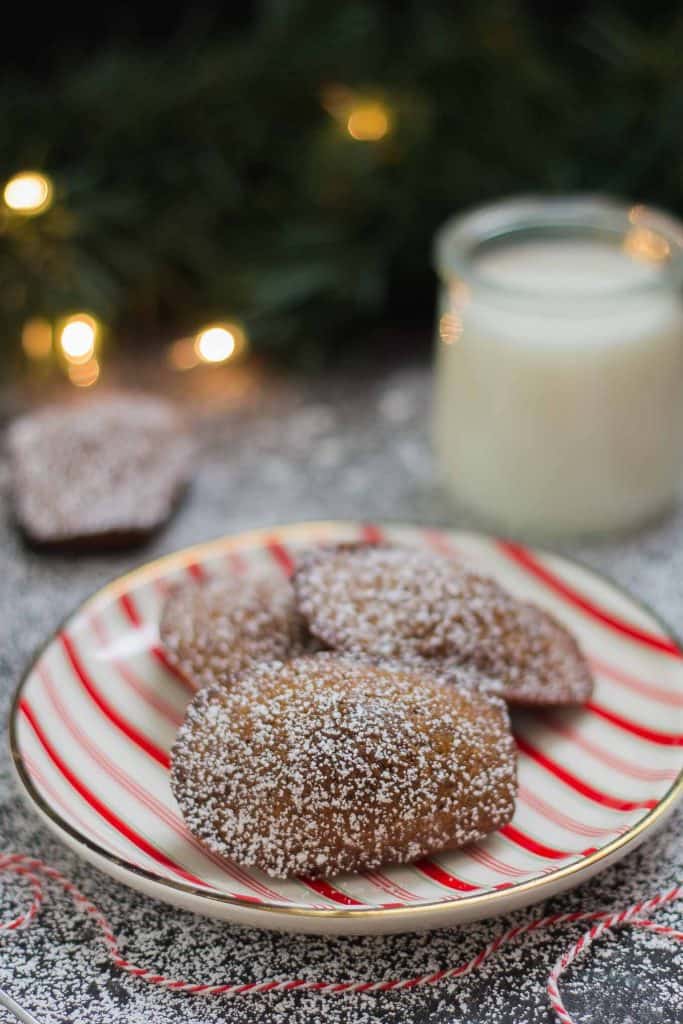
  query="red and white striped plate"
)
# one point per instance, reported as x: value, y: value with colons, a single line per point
x: 93, y: 721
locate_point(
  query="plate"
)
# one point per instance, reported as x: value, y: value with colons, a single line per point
x: 94, y: 718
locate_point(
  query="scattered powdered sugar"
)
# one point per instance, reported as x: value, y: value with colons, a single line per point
x: 213, y: 630
x: 328, y: 764
x: 403, y: 603
x: 95, y: 470
x: 58, y: 969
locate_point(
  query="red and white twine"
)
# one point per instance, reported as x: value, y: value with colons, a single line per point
x: 30, y: 869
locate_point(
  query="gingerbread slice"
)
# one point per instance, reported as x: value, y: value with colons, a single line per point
x: 328, y: 764
x: 411, y: 605
x: 98, y: 474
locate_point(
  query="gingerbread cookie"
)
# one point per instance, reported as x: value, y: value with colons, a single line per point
x: 534, y: 662
x: 412, y: 605
x: 98, y: 473
x: 214, y: 630
x: 329, y: 764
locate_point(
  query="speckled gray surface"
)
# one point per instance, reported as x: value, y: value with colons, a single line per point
x: 355, y: 447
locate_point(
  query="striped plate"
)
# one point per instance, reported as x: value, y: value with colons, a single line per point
x: 93, y: 721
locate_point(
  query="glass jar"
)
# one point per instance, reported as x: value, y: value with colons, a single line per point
x: 559, y: 370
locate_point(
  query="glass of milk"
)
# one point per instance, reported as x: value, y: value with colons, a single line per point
x: 559, y: 371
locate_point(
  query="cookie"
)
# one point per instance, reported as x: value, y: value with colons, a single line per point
x: 535, y: 661
x: 98, y: 474
x: 329, y: 764
x: 411, y: 605
x: 212, y: 631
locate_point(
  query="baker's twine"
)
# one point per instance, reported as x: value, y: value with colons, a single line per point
x: 29, y: 868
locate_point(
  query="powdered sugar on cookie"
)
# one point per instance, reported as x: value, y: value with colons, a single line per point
x: 328, y: 764
x: 98, y: 474
x: 412, y: 605
x: 211, y: 631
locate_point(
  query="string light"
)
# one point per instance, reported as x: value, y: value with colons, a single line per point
x: 36, y: 338
x: 368, y: 122
x: 78, y: 337
x: 215, y: 344
x: 28, y: 193
x: 84, y: 375
x: 219, y: 342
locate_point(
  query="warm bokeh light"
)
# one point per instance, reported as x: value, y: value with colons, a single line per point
x: 368, y: 122
x: 215, y: 344
x: 36, y: 338
x: 218, y: 343
x: 28, y: 193
x: 645, y: 244
x: 84, y: 375
x: 182, y: 354
x: 77, y: 338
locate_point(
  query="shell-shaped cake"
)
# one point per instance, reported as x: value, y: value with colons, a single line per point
x: 416, y: 606
x: 327, y: 764
x: 213, y: 630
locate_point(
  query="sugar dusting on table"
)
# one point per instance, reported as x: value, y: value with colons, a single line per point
x: 57, y: 968
x: 631, y: 977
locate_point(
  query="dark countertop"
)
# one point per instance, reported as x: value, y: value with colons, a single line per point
x: 351, y: 447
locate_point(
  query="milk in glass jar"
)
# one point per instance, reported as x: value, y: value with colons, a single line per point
x: 559, y: 370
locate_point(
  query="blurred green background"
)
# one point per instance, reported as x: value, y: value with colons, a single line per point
x: 286, y: 166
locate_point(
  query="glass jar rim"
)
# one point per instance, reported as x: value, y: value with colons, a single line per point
x: 463, y: 236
